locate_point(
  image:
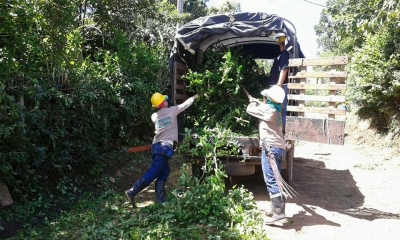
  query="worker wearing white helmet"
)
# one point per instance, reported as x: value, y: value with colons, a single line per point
x: 272, y: 145
x: 162, y: 148
x: 268, y: 112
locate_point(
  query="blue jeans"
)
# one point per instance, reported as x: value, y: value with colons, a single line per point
x: 269, y: 178
x: 159, y: 168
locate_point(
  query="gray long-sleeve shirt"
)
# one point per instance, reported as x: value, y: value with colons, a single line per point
x: 165, y: 121
x: 270, y: 124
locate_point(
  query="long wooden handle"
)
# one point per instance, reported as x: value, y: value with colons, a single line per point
x: 139, y: 149
x: 247, y: 93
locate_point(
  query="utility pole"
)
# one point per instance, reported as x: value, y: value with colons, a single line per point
x: 179, y: 6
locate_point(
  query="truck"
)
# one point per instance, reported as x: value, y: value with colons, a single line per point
x: 256, y: 33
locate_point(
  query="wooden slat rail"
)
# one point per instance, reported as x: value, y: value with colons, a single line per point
x: 332, y: 92
x: 320, y: 75
x: 314, y: 98
x: 181, y: 66
x: 317, y: 86
x: 327, y: 61
x: 180, y: 83
x: 321, y: 110
x: 179, y: 77
x: 177, y: 86
x: 180, y: 97
x: 332, y: 80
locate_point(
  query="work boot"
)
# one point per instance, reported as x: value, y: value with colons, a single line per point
x: 137, y: 188
x: 160, y: 191
x: 269, y: 212
x: 278, y: 211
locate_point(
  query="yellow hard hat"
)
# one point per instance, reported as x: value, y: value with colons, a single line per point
x: 281, y: 37
x: 157, y: 99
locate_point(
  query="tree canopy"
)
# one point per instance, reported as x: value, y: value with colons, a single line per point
x: 367, y: 31
x: 75, y: 77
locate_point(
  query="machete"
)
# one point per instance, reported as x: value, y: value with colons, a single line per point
x: 139, y: 149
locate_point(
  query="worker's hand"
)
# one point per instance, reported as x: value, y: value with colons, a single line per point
x: 196, y: 96
x: 251, y: 99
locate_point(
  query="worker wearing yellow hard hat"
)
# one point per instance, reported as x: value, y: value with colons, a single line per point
x: 157, y: 99
x: 162, y: 148
x: 281, y: 39
x: 278, y: 74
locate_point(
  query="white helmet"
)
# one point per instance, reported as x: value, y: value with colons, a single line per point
x: 275, y: 93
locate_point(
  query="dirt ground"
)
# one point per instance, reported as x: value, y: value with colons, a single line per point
x: 344, y: 192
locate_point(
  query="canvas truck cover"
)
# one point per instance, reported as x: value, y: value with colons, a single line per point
x: 237, y: 29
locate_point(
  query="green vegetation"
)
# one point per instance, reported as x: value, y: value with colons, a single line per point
x: 76, y: 76
x: 220, y: 82
x: 218, y: 141
x: 368, y: 32
x: 70, y: 88
x: 198, y: 208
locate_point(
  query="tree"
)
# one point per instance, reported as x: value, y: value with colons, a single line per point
x: 368, y: 32
x: 192, y: 8
x: 75, y: 75
x: 342, y: 24
x: 226, y: 7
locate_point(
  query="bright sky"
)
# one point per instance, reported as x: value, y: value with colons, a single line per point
x: 302, y: 13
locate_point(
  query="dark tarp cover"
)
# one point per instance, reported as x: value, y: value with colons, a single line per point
x: 249, y: 27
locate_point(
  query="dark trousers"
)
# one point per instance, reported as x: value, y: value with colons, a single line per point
x: 159, y: 168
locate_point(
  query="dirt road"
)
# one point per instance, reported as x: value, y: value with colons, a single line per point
x: 345, y: 192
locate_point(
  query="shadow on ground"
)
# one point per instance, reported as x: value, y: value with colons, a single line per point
x: 318, y: 187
